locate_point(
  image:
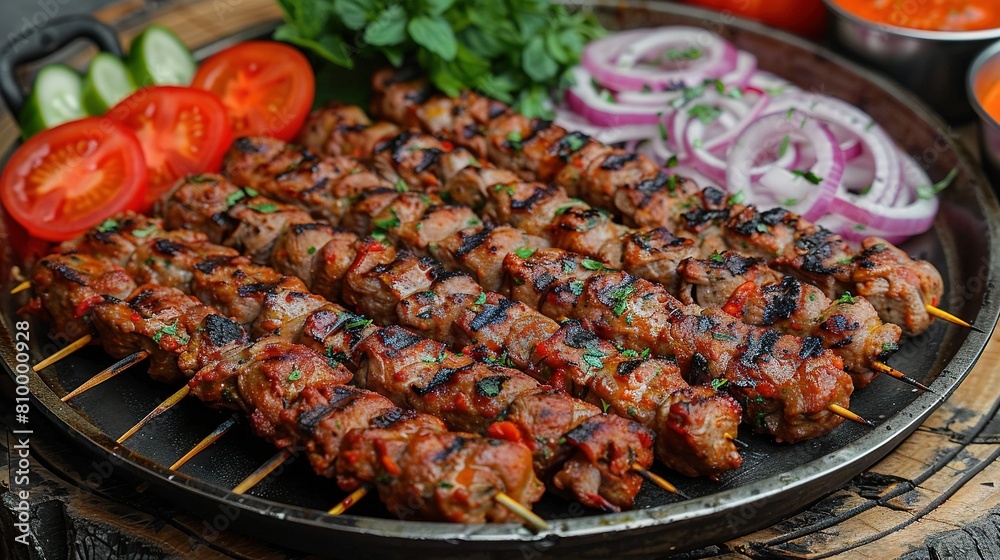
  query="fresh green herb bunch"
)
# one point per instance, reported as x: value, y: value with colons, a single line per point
x: 513, y: 50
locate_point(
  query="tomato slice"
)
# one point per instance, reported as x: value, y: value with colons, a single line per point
x: 182, y: 130
x: 71, y: 177
x: 267, y: 87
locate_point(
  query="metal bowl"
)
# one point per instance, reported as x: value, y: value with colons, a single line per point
x: 984, y: 72
x: 932, y: 64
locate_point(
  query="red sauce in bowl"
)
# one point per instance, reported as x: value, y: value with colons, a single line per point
x: 931, y: 15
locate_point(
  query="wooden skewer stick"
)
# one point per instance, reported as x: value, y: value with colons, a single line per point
x: 892, y: 372
x: 262, y: 471
x: 203, y: 444
x: 945, y: 316
x: 350, y: 500
x: 655, y: 478
x: 64, y: 351
x: 844, y: 413
x: 20, y: 287
x: 524, y: 513
x: 113, y: 370
x: 166, y: 405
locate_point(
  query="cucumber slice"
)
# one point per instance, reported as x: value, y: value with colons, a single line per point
x: 158, y: 57
x: 54, y: 99
x: 107, y: 82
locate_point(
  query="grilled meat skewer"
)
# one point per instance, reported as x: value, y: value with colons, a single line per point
x: 294, y: 397
x: 861, y: 340
x: 634, y: 187
x: 692, y: 422
x: 592, y: 457
x: 410, y: 212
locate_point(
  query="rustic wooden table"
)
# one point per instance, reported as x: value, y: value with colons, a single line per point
x: 935, y: 496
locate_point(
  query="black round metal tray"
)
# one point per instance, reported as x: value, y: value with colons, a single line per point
x: 774, y: 482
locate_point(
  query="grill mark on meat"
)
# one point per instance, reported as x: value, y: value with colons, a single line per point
x: 245, y: 145
x: 470, y: 131
x: 564, y: 147
x: 769, y: 218
x: 844, y: 342
x: 299, y: 229
x: 140, y: 299
x: 208, y: 266
x: 419, y: 96
x: 626, y: 368
x: 703, y: 215
x: 496, y: 109
x: 247, y: 290
x: 577, y: 336
x: 812, y: 347
x: 607, y: 295
x: 341, y: 398
x: 223, y: 219
x: 699, y: 366
x: 649, y: 187
x: 862, y: 259
x: 404, y: 74
x: 455, y: 446
x: 543, y: 281
x: 441, y: 378
x: 539, y: 194
x: 491, y: 315
x: 317, y: 186
x: 393, y: 144
x: 759, y: 348
x: 167, y: 247
x: 816, y: 246
x: 836, y: 324
x: 470, y: 242
x: 736, y: 264
x: 430, y: 157
x: 704, y: 324
x: 397, y: 338
x: 713, y: 196
x: 782, y: 300
x: 221, y: 330
x: 64, y: 271
x: 392, y: 417
x: 614, y: 162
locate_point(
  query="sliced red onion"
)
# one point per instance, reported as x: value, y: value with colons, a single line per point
x: 620, y: 61
x: 598, y: 109
x: 766, y: 135
x: 743, y: 72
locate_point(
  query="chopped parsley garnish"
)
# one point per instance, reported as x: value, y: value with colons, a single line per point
x: 663, y: 131
x: 890, y: 347
x: 576, y: 287
x: 790, y: 202
x: 717, y: 257
x: 167, y: 330
x: 926, y: 192
x: 845, y: 260
x: 594, y: 357
x: 723, y: 336
x: 605, y: 405
x: 620, y: 297
x: 311, y: 250
x: 705, y: 113
x: 295, y: 375
x: 358, y: 323
x: 591, y: 264
x: 401, y: 186
x: 144, y: 232
x: 690, y: 53
x: 108, y: 225
x: 630, y: 353
x: 387, y: 223
x: 490, y: 386
x: 737, y: 198
x: 644, y: 353
x: 515, y: 139
x: 847, y: 298
x: 481, y: 299
x: 568, y: 266
x: 719, y: 383
x: 574, y: 141
x: 673, y: 161
x: 235, y: 197
x: 445, y: 484
x: 672, y: 183
x: 524, y: 252
x: 251, y: 191
x: 808, y: 176
x: 264, y: 208
x: 762, y: 228
x: 784, y: 146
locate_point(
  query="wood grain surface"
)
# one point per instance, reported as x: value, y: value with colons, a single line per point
x: 936, y: 496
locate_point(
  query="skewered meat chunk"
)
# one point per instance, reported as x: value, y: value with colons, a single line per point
x: 632, y: 186
x: 296, y: 397
x: 68, y: 286
x: 784, y: 383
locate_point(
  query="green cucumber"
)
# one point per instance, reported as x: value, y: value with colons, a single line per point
x: 55, y: 98
x: 107, y: 82
x: 158, y: 57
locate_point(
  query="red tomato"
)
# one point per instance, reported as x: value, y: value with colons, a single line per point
x: 805, y: 17
x: 182, y: 130
x: 71, y: 177
x: 267, y: 87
